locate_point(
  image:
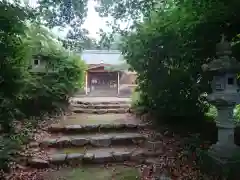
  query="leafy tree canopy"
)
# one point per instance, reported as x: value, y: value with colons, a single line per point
x: 168, y: 45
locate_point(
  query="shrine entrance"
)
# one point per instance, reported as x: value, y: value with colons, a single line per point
x: 101, y: 82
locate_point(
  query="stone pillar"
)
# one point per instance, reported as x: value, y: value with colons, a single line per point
x: 225, y: 146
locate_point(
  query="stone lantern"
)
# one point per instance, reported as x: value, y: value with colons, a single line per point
x: 224, y: 96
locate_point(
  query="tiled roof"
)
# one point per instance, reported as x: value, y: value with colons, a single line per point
x: 90, y: 66
x: 102, y: 56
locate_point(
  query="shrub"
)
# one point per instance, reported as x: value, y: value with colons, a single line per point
x: 12, y: 65
x: 49, y: 91
x: 167, y: 50
x: 23, y: 93
x: 169, y: 86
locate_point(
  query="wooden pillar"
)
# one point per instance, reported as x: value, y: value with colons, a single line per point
x: 118, y: 83
x: 86, y: 83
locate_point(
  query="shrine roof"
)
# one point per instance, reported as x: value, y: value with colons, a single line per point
x: 99, y: 56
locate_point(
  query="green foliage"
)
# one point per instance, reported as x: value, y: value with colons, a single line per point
x: 135, y: 98
x: 12, y: 67
x: 168, y: 48
x: 25, y: 93
x: 63, y: 13
x: 167, y: 81
x: 50, y: 90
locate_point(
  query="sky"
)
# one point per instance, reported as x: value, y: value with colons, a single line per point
x: 92, y: 23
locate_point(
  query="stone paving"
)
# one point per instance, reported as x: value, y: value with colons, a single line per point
x: 104, y: 100
x: 86, y: 137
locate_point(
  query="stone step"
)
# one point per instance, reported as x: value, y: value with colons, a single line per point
x: 101, y: 106
x: 103, y: 100
x: 100, y: 111
x: 94, y: 156
x: 87, y: 128
x: 95, y: 140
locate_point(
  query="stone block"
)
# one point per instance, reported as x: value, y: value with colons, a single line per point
x: 131, y: 126
x: 56, y: 128
x: 73, y: 128
x: 100, y: 111
x: 63, y: 141
x: 121, y: 156
x: 103, y: 141
x: 102, y: 157
x: 38, y: 163
x: 113, y: 110
x: 57, y: 159
x: 90, y: 127
x: 126, y: 139
x: 77, y: 141
x: 48, y: 142
x: 88, y: 158
x: 74, y: 158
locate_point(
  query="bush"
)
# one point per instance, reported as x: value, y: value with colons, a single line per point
x: 167, y: 50
x: 169, y: 86
x: 26, y: 94
x: 12, y: 68
x: 49, y: 92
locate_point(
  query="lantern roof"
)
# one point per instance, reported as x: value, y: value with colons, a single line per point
x: 224, y: 61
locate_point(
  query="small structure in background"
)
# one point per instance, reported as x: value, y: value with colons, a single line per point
x: 39, y: 65
x: 224, y: 96
x: 106, y: 69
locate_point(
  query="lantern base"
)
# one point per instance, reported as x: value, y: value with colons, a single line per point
x: 221, y: 162
x: 224, y: 151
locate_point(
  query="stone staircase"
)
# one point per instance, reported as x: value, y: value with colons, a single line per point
x: 97, y: 132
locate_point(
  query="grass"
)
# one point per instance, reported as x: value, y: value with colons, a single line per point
x: 95, y: 173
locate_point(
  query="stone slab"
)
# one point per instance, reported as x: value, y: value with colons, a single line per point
x: 101, y: 106
x: 101, y: 157
x: 79, y: 141
x: 120, y: 156
x: 75, y: 156
x: 74, y: 159
x: 100, y: 111
x: 57, y: 159
x: 89, y: 119
x: 73, y: 129
x: 38, y: 163
x: 99, y: 140
x: 95, y: 156
x: 108, y: 100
